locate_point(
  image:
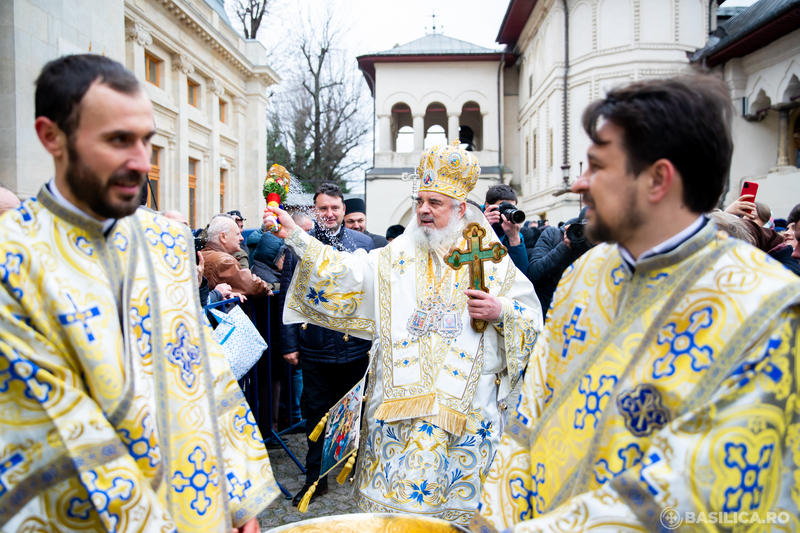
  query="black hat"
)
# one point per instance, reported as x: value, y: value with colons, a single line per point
x: 235, y: 213
x: 392, y: 232
x: 354, y: 205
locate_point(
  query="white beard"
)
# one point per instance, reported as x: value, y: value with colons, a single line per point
x: 438, y: 238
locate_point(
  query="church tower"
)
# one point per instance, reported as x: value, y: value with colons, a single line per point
x: 433, y: 90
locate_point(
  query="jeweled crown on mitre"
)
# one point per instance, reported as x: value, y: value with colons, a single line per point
x: 448, y: 170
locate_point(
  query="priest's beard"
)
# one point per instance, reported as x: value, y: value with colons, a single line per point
x: 599, y: 229
x: 98, y: 194
x: 437, y: 238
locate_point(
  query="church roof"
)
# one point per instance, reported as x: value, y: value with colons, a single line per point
x: 436, y: 44
x: 433, y: 47
x: 752, y: 29
x: 219, y: 7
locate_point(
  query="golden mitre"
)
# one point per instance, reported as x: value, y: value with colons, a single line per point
x: 448, y: 170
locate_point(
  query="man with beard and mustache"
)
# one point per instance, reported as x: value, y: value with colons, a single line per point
x: 437, y: 387
x: 120, y: 410
x: 667, y: 389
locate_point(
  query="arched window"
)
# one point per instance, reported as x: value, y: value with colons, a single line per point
x: 471, y: 126
x: 435, y: 125
x: 404, y: 142
x: 435, y: 135
x: 402, y: 127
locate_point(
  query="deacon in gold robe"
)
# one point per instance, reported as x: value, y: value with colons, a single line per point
x: 118, y: 411
x: 667, y: 393
x: 437, y: 387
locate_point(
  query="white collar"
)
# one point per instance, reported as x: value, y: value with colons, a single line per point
x: 667, y: 245
x: 107, y: 223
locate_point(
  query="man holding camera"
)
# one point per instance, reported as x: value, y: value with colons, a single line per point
x: 552, y: 254
x: 500, y: 209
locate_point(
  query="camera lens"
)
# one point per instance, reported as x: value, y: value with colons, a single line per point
x: 510, y: 211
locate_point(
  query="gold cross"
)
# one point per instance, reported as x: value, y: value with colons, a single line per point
x: 474, y: 255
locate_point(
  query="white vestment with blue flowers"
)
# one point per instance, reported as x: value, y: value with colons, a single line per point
x: 118, y: 411
x: 436, y: 388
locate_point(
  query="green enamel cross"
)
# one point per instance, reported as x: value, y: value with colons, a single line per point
x: 474, y: 256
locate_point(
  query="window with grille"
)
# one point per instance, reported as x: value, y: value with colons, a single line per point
x: 193, y: 192
x: 192, y: 89
x: 152, y: 69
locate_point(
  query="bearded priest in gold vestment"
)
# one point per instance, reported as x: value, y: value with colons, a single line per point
x: 118, y: 411
x: 437, y: 387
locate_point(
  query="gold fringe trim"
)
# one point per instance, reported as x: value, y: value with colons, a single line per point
x: 450, y: 420
x: 318, y: 428
x: 402, y: 408
x: 303, y: 505
x: 347, y: 468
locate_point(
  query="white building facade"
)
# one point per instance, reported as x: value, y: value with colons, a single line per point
x: 758, y: 54
x: 430, y: 91
x: 207, y: 85
x: 601, y: 44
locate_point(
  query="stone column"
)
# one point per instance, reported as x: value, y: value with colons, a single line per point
x: 783, y: 136
x: 215, y: 92
x: 170, y: 178
x: 237, y: 177
x: 452, y: 127
x: 140, y: 37
x: 384, y: 133
x: 254, y: 167
x: 182, y: 68
x: 419, y: 132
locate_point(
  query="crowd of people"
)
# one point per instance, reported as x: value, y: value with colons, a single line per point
x: 636, y: 362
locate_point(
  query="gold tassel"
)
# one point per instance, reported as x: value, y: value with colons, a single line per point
x: 318, y: 429
x: 401, y: 408
x: 347, y: 468
x: 450, y: 420
x: 303, y: 505
x: 303, y: 326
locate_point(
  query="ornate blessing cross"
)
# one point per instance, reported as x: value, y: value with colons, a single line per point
x: 474, y: 256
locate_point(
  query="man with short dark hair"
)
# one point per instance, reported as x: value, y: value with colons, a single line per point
x: 507, y: 230
x: 355, y: 218
x: 394, y: 231
x: 120, y: 412
x: 331, y: 362
x: 667, y: 390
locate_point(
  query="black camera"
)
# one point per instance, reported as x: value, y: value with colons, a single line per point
x: 510, y: 211
x: 575, y: 232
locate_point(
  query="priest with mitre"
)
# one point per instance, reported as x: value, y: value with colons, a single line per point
x: 445, y: 356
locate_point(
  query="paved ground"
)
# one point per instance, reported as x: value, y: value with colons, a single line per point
x: 339, y: 499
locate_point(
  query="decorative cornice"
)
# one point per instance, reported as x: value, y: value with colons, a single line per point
x: 183, y: 63
x: 217, y: 42
x: 136, y: 31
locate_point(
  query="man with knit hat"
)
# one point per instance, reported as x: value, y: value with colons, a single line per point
x: 438, y: 385
x: 355, y: 218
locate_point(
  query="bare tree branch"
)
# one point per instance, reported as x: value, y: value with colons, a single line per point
x: 322, y: 115
x: 250, y: 13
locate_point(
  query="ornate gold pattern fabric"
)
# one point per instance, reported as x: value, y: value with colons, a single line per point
x: 118, y: 411
x: 669, y: 390
x: 432, y: 419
